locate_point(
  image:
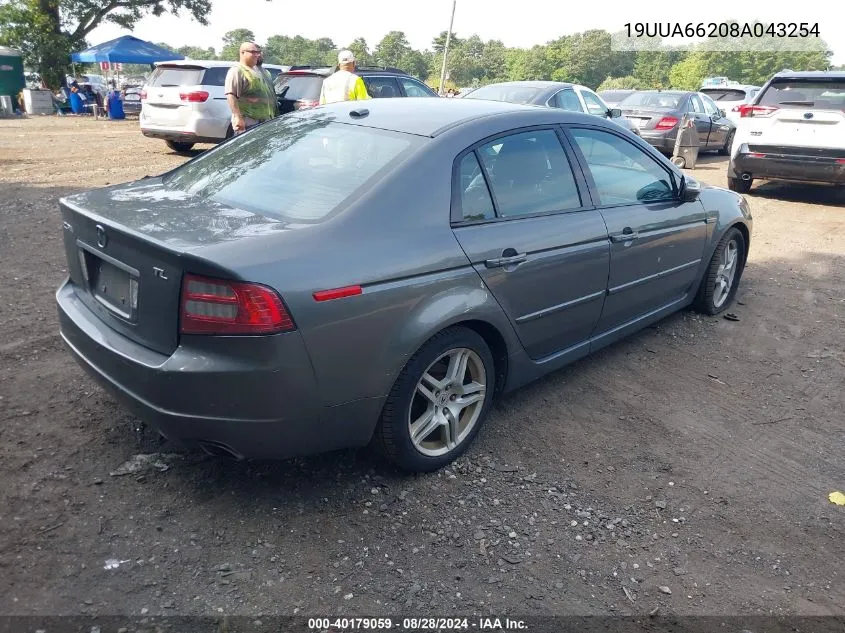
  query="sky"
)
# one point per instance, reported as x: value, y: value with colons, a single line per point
x: 533, y: 22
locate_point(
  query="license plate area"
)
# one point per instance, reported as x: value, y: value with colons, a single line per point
x: 112, y: 283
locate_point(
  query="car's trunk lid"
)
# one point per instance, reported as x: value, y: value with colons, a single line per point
x: 164, y: 104
x: 808, y: 127
x: 128, y: 246
x: 646, y: 118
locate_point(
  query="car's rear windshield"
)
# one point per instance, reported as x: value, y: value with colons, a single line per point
x: 170, y: 76
x: 668, y: 100
x: 815, y: 93
x: 725, y: 94
x: 300, y: 87
x: 613, y: 95
x: 510, y: 94
x: 292, y: 168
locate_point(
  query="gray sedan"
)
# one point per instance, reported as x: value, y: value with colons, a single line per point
x: 657, y: 115
x: 552, y: 94
x: 375, y: 273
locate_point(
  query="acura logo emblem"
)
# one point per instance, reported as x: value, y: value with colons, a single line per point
x: 102, y: 238
x: 808, y: 115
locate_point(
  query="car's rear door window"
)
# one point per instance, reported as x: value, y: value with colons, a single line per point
x: 414, y: 88
x: 299, y: 87
x: 382, y: 87
x: 293, y: 168
x: 529, y: 173
x: 476, y: 203
x: 622, y: 172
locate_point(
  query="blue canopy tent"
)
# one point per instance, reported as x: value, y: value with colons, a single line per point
x: 126, y: 50
x: 123, y: 50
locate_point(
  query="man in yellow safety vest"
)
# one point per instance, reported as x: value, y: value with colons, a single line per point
x: 250, y: 97
x: 343, y: 85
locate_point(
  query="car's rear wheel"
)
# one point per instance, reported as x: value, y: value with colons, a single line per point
x: 726, y: 149
x: 739, y: 185
x: 721, y: 280
x: 438, y: 403
x: 176, y: 146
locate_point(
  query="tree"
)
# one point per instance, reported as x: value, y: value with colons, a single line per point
x: 689, y: 73
x: 362, y: 52
x: 232, y: 43
x: 196, y: 52
x: 438, y: 44
x: 46, y: 31
x: 628, y: 82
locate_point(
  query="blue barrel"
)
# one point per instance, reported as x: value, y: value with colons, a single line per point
x: 115, y: 105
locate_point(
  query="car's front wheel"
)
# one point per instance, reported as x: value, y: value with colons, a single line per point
x: 176, y: 146
x: 721, y: 280
x: 439, y: 401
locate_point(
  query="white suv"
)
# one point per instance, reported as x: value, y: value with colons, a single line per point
x: 793, y: 130
x: 184, y: 102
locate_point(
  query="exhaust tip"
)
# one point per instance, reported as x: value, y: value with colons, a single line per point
x: 219, y: 450
x: 746, y: 175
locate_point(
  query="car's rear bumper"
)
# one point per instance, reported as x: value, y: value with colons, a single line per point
x: 803, y: 165
x: 663, y: 141
x: 179, y: 137
x: 250, y: 397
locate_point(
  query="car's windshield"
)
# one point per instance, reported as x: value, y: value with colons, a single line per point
x: 671, y: 100
x: 725, y: 94
x: 292, y: 168
x: 299, y: 87
x: 510, y: 94
x: 825, y: 94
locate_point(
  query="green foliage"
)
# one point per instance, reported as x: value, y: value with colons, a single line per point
x: 47, y: 31
x: 232, y: 43
x: 628, y: 82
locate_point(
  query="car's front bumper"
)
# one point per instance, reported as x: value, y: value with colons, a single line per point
x: 250, y: 397
x: 794, y: 163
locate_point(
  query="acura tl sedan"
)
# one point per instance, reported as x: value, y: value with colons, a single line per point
x: 376, y: 272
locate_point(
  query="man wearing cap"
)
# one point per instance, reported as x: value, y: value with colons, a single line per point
x: 250, y: 97
x: 344, y: 84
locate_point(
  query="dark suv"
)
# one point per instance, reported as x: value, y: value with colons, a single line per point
x: 300, y: 86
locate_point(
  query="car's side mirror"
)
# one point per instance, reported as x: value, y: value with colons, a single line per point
x: 690, y: 189
x: 614, y: 113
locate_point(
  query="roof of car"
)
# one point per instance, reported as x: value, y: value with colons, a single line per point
x: 530, y: 84
x: 812, y: 74
x: 432, y: 117
x: 325, y: 71
x: 209, y: 63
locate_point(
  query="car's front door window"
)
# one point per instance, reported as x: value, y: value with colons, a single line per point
x: 381, y: 87
x: 622, y: 173
x: 529, y: 173
x: 566, y: 99
x: 594, y: 104
x: 710, y: 107
x: 415, y: 89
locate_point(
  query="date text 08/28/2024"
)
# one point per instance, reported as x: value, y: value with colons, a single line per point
x: 336, y: 625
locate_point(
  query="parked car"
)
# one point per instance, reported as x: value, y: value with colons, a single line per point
x: 415, y: 259
x: 132, y: 99
x: 184, y: 103
x: 300, y: 87
x: 614, y: 97
x: 793, y: 130
x: 731, y: 98
x: 551, y: 94
x: 657, y: 115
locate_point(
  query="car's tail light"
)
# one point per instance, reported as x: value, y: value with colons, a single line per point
x: 756, y: 110
x: 218, y: 306
x: 302, y: 104
x: 666, y: 123
x: 143, y: 95
x: 756, y: 155
x: 840, y: 161
x: 195, y: 96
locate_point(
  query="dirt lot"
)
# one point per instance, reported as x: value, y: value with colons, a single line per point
x: 696, y: 456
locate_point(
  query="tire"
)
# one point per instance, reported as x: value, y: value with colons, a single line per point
x: 711, y: 297
x: 679, y: 162
x: 726, y: 148
x: 179, y: 148
x: 739, y: 185
x: 449, y: 434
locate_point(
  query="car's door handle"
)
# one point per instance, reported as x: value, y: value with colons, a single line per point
x: 626, y: 235
x: 509, y: 256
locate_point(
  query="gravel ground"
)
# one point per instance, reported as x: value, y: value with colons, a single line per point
x: 687, y: 468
